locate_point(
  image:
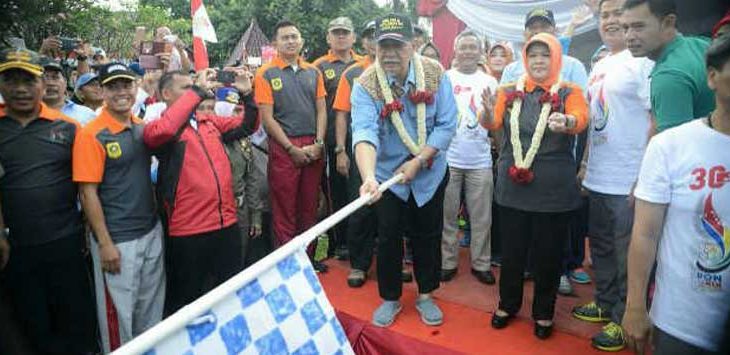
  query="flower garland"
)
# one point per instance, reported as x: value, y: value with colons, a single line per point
x: 520, y: 172
x: 394, y: 107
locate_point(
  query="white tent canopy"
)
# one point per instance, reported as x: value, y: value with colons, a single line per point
x: 504, y: 19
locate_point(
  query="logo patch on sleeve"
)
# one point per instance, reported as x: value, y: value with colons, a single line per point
x: 276, y: 84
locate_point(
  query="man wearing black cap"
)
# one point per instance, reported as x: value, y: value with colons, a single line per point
x: 403, y: 118
x: 419, y: 37
x: 55, y: 93
x: 41, y: 258
x: 541, y: 20
x: 111, y: 164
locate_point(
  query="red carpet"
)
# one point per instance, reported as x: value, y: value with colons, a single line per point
x: 467, y: 306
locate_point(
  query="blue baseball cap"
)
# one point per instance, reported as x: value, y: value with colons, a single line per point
x: 85, y: 79
x: 227, y: 94
x: 136, y: 68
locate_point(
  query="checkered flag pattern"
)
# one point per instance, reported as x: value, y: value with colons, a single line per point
x: 283, y: 311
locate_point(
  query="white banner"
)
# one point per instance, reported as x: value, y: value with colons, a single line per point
x: 505, y: 19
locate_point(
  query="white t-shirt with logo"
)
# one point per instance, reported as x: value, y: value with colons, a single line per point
x: 618, y: 90
x: 688, y: 168
x: 470, y: 148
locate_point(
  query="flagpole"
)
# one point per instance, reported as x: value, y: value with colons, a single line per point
x: 189, y: 313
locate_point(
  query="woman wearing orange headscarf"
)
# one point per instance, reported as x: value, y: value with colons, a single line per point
x: 536, y: 185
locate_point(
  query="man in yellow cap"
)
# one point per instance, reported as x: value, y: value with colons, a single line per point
x: 43, y: 264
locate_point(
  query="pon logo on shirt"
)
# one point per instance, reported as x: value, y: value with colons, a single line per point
x: 601, y: 116
x: 714, y: 256
x: 329, y: 74
x: 714, y: 249
x: 113, y: 150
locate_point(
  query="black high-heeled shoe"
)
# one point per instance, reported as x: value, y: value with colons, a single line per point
x: 499, y: 322
x: 543, y: 331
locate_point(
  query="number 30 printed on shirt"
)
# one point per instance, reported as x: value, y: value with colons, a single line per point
x: 715, y: 177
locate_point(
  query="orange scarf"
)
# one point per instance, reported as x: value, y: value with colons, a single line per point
x: 556, y: 61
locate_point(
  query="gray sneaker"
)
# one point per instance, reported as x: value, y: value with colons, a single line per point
x: 565, y: 288
x: 430, y: 312
x: 385, y: 314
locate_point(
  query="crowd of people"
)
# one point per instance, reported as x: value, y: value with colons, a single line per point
x: 163, y: 182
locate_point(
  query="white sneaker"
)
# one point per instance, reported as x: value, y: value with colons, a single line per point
x: 565, y: 288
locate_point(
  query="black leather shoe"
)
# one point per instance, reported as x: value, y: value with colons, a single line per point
x: 499, y: 322
x: 543, y: 331
x: 485, y: 277
x: 447, y: 274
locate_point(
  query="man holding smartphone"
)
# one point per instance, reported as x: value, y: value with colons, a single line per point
x: 195, y: 183
x: 178, y: 57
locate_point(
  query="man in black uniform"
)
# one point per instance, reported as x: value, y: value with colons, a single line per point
x: 340, y: 37
x: 45, y: 274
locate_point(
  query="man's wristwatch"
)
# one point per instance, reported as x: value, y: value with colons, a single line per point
x: 570, y: 122
x: 339, y: 149
x: 319, y: 142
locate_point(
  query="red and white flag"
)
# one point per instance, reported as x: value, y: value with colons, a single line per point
x: 203, y: 31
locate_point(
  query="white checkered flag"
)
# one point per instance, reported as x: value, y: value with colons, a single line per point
x: 276, y: 306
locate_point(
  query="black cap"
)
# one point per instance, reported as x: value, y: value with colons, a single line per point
x: 537, y: 14
x: 23, y: 59
x: 114, y: 71
x: 50, y: 63
x: 394, y: 26
x: 369, y: 29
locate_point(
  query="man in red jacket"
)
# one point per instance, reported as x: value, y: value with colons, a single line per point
x: 195, y: 184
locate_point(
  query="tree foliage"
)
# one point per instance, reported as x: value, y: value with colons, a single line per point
x: 34, y: 20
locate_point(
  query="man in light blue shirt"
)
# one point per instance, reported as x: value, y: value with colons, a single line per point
x: 55, y: 93
x: 542, y: 21
x: 414, y: 206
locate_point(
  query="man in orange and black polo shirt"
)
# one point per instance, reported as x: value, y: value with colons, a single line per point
x: 111, y: 163
x: 360, y: 235
x: 340, y: 37
x: 42, y: 264
x: 291, y: 98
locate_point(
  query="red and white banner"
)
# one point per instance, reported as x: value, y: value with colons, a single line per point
x: 203, y: 31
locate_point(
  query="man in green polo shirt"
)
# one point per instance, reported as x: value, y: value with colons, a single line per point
x: 679, y: 91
